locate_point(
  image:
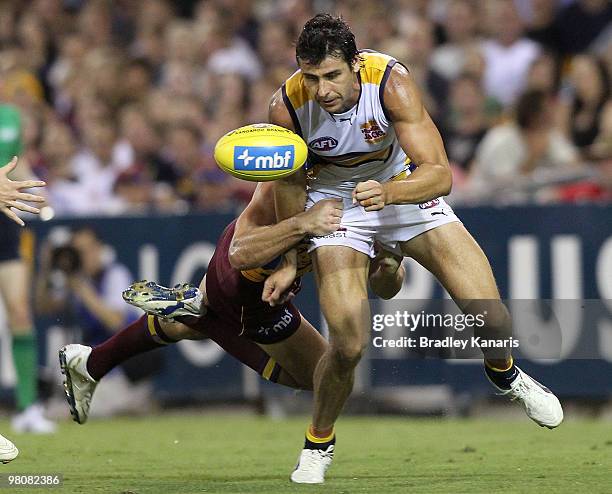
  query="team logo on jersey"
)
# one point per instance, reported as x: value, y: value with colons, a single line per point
x: 372, y: 133
x: 263, y: 158
x: 429, y: 204
x: 326, y: 143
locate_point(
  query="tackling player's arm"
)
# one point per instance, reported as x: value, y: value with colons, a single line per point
x: 420, y: 139
x: 290, y: 192
x: 258, y: 239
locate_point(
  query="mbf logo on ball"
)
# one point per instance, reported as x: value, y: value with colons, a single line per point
x: 263, y: 158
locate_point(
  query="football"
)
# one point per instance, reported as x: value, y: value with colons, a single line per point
x: 261, y: 152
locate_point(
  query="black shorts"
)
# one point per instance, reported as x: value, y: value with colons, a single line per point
x: 10, y: 235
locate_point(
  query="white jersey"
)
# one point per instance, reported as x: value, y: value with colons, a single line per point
x: 353, y: 147
x: 357, y: 145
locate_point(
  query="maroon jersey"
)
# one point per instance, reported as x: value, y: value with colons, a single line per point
x: 237, y: 317
x: 236, y: 297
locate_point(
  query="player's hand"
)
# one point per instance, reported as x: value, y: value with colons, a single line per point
x: 11, y: 195
x: 386, y: 275
x: 385, y: 261
x: 277, y: 287
x: 371, y: 195
x: 323, y: 218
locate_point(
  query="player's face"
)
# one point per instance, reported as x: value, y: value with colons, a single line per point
x: 333, y: 83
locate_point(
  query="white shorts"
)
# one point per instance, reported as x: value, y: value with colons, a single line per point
x: 359, y: 229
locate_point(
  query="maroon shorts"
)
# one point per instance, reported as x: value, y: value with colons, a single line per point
x: 237, y: 300
x: 237, y: 317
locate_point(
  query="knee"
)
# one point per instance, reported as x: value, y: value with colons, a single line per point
x: 347, y: 354
x: 350, y: 322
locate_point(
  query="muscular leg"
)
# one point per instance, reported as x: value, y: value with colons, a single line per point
x: 299, y: 354
x: 455, y: 258
x: 452, y: 255
x: 296, y: 356
x: 341, y: 277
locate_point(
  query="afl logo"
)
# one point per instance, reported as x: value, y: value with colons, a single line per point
x: 323, y: 144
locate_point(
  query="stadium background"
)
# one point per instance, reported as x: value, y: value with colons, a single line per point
x: 123, y: 101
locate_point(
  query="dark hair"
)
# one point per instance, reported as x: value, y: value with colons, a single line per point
x: 529, y: 107
x: 325, y: 35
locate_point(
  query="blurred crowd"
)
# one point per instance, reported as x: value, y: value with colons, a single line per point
x: 122, y: 101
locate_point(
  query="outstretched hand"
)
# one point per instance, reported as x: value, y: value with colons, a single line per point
x: 11, y: 195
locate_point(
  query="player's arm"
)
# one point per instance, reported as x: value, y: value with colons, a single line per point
x: 290, y: 192
x: 258, y: 239
x: 420, y: 140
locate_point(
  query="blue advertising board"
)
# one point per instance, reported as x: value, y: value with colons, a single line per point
x: 555, y: 252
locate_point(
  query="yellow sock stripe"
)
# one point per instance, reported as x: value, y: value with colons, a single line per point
x: 318, y: 440
x: 268, y: 369
x: 151, y: 326
x: 500, y: 370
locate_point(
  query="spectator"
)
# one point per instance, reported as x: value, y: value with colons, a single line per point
x: 544, y: 74
x: 521, y: 147
x: 507, y: 53
x: 467, y: 123
x: 414, y: 48
x: 18, y: 82
x: 64, y: 70
x: 184, y: 147
x: 275, y: 47
x: 598, y: 188
x: 95, y: 23
x: 38, y: 49
x: 213, y: 64
x: 540, y: 25
x: 67, y: 195
x: 199, y: 181
x: 587, y: 92
x: 138, y: 79
x: 231, y: 53
x: 145, y: 171
x: 601, y: 149
x: 460, y: 24
x: 97, y: 166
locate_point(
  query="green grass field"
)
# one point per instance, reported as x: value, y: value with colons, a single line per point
x: 241, y: 454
